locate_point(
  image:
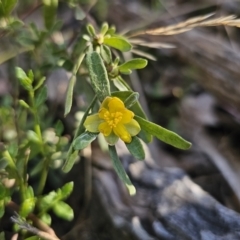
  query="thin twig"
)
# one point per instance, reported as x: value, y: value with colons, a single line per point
x: 24, y: 225
x: 36, y: 221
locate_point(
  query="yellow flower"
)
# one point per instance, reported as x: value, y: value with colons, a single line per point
x: 114, y: 121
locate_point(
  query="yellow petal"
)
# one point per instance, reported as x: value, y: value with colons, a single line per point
x: 127, y: 116
x: 106, y: 102
x: 121, y: 132
x: 115, y: 104
x: 133, y: 127
x: 92, y: 122
x: 104, y: 129
x: 102, y: 112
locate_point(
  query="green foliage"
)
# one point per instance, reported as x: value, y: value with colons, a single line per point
x: 136, y: 149
x: 163, y: 134
x: 49, y: 12
x: 118, y: 42
x: 98, y: 75
x: 83, y: 140
x: 120, y: 170
x: 6, y: 6
x: 33, y: 143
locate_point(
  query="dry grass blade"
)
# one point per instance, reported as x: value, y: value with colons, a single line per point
x: 143, y: 54
x: 192, y: 23
x: 143, y: 43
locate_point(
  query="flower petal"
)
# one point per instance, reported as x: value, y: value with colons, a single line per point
x: 121, y: 132
x: 112, y: 139
x: 133, y: 127
x: 115, y: 104
x: 102, y: 112
x: 106, y: 102
x: 127, y: 116
x: 92, y: 122
x: 104, y: 129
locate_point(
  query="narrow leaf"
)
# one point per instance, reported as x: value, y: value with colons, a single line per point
x: 163, y: 134
x: 120, y: 170
x: 25, y: 81
x: 98, y: 75
x: 104, y: 28
x: 40, y: 83
x: 131, y: 100
x: 63, y: 210
x: 23, y: 104
x: 91, y: 30
x: 135, y: 147
x: 118, y: 43
x: 59, y: 128
x: 41, y: 96
x: 2, y: 208
x: 106, y: 54
x: 67, y: 189
x: 70, y: 161
x: 84, y: 140
x: 49, y: 12
x: 121, y: 86
x: 69, y: 96
x: 136, y: 63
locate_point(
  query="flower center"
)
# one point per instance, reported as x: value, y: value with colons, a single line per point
x: 113, y: 119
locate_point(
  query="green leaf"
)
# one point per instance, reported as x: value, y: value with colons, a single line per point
x: 49, y: 12
x: 13, y: 149
x: 63, y: 210
x: 47, y: 201
x: 135, y: 147
x: 2, y: 208
x: 104, y: 28
x: 136, y: 63
x: 25, y: 81
x: 84, y: 140
x: 41, y: 97
x: 137, y: 109
x: 131, y: 100
x: 59, y: 128
x: 27, y: 207
x: 121, y: 86
x: 66, y: 190
x: 69, y: 96
x: 106, y: 54
x: 163, y: 134
x: 70, y: 161
x: 118, y: 42
x: 120, y: 170
x: 29, y: 192
x: 32, y: 136
x: 6, y: 6
x: 24, y: 104
x: 40, y: 83
x: 91, y: 30
x: 2, y: 192
x: 98, y: 75
x: 46, y: 218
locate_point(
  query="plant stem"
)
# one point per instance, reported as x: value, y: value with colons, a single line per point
x: 67, y: 165
x: 12, y: 165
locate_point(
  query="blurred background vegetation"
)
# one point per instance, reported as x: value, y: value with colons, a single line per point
x: 191, y: 86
